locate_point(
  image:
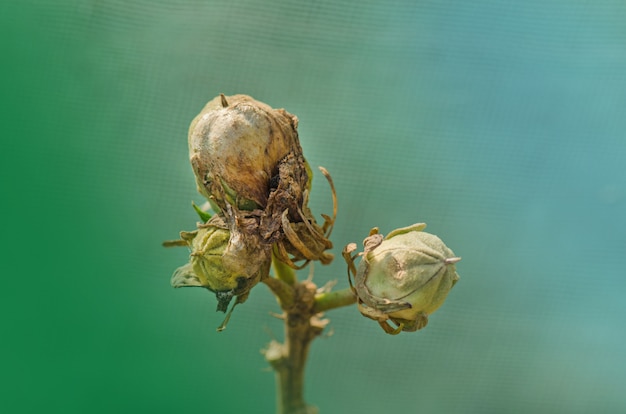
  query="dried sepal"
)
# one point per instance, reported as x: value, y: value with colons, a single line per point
x: 304, y: 239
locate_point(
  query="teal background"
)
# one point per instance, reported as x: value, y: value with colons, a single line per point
x: 499, y: 123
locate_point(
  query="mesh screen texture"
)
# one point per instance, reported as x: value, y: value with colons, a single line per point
x: 499, y: 123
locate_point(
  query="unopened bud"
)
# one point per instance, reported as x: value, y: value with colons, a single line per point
x: 221, y: 262
x: 403, y: 278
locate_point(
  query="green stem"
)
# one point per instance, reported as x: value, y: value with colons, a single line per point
x: 282, y: 291
x: 302, y: 306
x: 288, y: 359
x: 284, y: 272
x: 331, y: 300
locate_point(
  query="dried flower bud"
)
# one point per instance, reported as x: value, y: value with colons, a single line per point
x: 248, y: 162
x: 404, y: 277
x: 235, y: 145
x: 222, y: 262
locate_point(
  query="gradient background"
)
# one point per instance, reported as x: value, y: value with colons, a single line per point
x: 502, y: 124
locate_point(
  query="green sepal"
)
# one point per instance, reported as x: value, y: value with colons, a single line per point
x: 404, y: 230
x: 204, y: 215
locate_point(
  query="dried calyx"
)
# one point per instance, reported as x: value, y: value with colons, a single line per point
x: 248, y: 163
x: 402, y: 278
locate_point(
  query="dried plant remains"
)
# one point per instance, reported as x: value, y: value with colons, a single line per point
x: 248, y: 163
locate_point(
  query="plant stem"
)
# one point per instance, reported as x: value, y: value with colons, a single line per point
x: 288, y: 359
x: 331, y: 300
x: 302, y: 304
x: 283, y: 271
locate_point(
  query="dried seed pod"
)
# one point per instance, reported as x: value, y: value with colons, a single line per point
x: 235, y: 145
x: 248, y: 162
x: 402, y: 278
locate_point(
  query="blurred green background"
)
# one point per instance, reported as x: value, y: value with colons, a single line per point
x: 499, y: 123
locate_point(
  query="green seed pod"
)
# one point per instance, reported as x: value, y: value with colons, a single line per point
x: 222, y: 262
x: 235, y: 145
x: 404, y: 277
